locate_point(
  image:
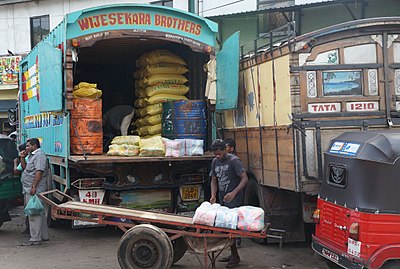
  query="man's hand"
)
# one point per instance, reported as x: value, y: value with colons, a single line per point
x: 16, y: 162
x: 229, y: 196
x: 33, y: 190
x: 213, y: 199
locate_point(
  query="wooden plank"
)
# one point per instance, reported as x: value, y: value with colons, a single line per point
x: 129, y: 213
x: 208, y: 156
x: 59, y: 179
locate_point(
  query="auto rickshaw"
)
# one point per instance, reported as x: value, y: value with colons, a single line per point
x: 358, y: 209
x: 10, y: 185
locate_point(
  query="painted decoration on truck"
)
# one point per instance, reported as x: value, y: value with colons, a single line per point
x: 311, y: 84
x: 396, y: 52
x: 143, y: 20
x: 373, y: 81
x: 362, y: 106
x: 9, y: 69
x: 336, y: 83
x: 323, y: 58
x: 397, y: 81
x: 324, y: 107
x: 344, y: 148
x: 360, y: 54
x: 30, y: 82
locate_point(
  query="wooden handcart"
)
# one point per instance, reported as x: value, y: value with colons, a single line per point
x: 155, y: 240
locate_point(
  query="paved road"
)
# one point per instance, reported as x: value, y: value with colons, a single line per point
x: 96, y: 248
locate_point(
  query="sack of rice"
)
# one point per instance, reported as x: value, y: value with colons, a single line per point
x: 151, y: 147
x: 159, y: 56
x: 128, y: 139
x: 149, y: 110
x: 123, y: 150
x: 162, y: 79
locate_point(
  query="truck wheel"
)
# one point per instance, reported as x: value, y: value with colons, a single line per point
x: 145, y: 246
x: 1, y: 223
x: 391, y: 265
x: 180, y: 248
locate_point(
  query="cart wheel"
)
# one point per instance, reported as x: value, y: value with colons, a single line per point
x: 145, y: 246
x: 180, y: 248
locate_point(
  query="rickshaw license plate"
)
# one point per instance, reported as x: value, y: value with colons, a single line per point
x: 190, y: 193
x: 330, y: 255
x: 353, y: 247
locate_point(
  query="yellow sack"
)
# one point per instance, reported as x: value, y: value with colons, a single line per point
x: 159, y: 56
x: 149, y: 120
x: 85, y: 85
x: 165, y: 68
x: 162, y: 79
x: 127, y: 139
x: 140, y: 92
x: 150, y: 136
x: 149, y: 110
x: 153, y: 146
x: 141, y: 102
x: 87, y: 92
x: 161, y: 98
x: 149, y: 130
x: 123, y: 150
x: 174, y: 89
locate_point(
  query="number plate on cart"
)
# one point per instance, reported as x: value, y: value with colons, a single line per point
x: 354, y: 247
x: 190, y: 193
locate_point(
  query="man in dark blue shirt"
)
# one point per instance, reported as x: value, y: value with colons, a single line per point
x: 228, y: 178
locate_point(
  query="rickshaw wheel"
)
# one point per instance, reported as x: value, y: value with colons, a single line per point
x: 180, y: 248
x: 145, y: 246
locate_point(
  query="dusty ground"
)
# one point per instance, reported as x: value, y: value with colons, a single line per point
x: 96, y: 248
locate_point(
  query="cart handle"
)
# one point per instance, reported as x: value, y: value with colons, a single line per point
x: 50, y: 202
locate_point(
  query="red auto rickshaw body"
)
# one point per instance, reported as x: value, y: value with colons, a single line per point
x: 358, y: 209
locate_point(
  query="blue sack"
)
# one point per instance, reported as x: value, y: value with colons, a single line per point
x: 34, y: 206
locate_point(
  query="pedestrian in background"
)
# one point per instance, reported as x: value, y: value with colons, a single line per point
x: 34, y: 180
x: 228, y: 179
x: 18, y: 171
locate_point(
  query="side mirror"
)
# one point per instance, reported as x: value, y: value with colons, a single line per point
x: 12, y: 117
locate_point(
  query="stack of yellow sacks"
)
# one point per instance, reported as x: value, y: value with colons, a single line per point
x: 160, y: 78
x: 86, y: 90
x: 127, y: 146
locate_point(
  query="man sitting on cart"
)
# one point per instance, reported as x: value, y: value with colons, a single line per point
x: 229, y: 178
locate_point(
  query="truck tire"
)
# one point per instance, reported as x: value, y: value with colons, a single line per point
x: 180, y: 248
x: 1, y: 223
x: 145, y: 246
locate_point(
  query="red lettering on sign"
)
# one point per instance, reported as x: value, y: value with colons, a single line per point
x: 112, y: 19
x: 120, y: 16
x: 128, y: 18
x: 103, y: 18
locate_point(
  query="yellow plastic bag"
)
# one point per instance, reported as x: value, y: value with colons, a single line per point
x: 149, y: 110
x: 127, y: 139
x: 123, y: 150
x: 162, y: 79
x: 85, y: 85
x: 87, y: 92
x: 153, y: 146
x: 159, y: 56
